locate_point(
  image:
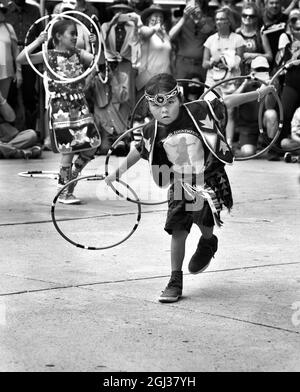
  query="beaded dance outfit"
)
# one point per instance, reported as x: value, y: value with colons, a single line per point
x: 72, y: 127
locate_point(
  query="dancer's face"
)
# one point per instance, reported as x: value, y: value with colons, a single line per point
x: 167, y: 113
x: 68, y: 39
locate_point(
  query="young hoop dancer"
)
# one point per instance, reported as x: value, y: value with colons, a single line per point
x: 69, y: 115
x: 185, y: 141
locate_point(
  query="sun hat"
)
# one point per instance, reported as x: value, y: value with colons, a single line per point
x: 150, y: 10
x: 120, y: 6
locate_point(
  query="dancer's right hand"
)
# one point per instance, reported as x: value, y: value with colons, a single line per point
x: 43, y: 37
x: 111, y: 177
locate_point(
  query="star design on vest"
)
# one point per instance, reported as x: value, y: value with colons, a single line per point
x: 147, y: 144
x: 223, y: 147
x: 207, y: 123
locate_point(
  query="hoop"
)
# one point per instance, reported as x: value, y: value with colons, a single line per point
x: 275, y: 76
x: 62, y: 79
x: 98, y: 177
x: 94, y: 17
x: 260, y: 114
x: 110, y: 151
x: 39, y: 174
x: 284, y: 68
x: 25, y: 45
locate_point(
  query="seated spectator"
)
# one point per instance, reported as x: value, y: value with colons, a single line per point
x: 247, y: 114
x: 193, y: 89
x: 188, y: 36
x: 289, y: 49
x: 256, y: 44
x: 293, y: 143
x: 13, y: 143
x: 223, y: 53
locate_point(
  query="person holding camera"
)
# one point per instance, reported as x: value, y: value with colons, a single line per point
x: 188, y: 36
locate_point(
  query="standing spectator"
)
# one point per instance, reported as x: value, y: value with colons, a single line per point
x: 156, y: 46
x: 122, y: 43
x: 63, y: 6
x: 274, y: 24
x: 87, y: 8
x: 223, y: 52
x: 236, y: 15
x: 21, y: 16
x: 189, y: 35
x: 212, y: 7
x: 8, y: 52
x: 256, y: 44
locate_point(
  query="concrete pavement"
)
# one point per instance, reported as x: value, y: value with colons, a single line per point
x: 67, y: 309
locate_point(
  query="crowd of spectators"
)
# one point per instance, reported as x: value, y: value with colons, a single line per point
x: 204, y: 41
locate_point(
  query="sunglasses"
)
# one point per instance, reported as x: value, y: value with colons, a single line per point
x: 261, y: 69
x: 294, y: 20
x: 248, y: 16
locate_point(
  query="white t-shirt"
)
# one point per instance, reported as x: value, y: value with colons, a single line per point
x: 223, y: 46
x: 155, y: 59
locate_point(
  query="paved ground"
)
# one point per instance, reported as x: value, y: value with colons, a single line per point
x: 67, y: 309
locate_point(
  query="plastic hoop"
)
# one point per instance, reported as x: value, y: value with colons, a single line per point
x: 98, y: 177
x: 284, y: 68
x: 62, y: 79
x: 39, y: 174
x: 95, y: 18
x: 25, y: 43
x: 110, y: 151
x: 260, y: 114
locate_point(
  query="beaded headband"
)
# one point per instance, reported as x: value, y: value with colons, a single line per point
x: 162, y: 98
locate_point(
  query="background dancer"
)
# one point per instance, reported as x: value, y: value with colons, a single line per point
x: 69, y: 114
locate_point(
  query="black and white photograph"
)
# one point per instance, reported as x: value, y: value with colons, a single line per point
x: 149, y: 190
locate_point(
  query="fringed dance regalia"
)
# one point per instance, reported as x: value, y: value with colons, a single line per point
x: 200, y: 120
x: 72, y: 126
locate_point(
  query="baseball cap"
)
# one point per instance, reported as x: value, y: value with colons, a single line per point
x: 260, y: 67
x: 259, y: 62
